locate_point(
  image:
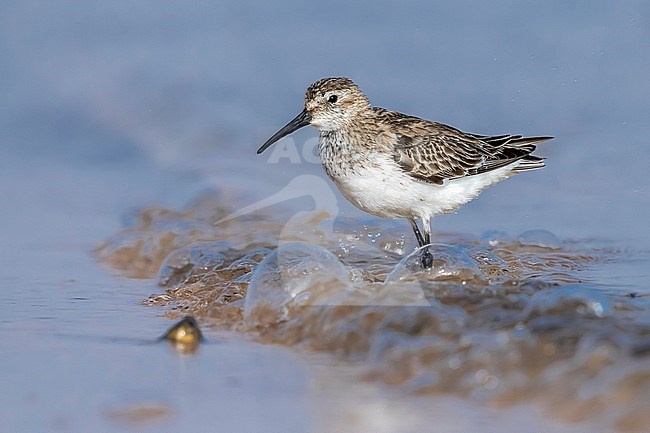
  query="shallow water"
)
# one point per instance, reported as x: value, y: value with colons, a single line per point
x: 498, y: 318
x: 149, y: 113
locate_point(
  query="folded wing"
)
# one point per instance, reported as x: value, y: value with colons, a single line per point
x: 433, y: 152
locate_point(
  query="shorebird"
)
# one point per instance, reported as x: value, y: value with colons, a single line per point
x: 393, y: 165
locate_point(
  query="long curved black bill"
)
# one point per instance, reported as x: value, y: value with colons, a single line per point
x: 301, y: 120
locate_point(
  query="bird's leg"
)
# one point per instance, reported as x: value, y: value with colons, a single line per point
x: 416, y: 230
x: 427, y: 258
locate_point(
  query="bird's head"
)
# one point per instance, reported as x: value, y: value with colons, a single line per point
x: 330, y: 104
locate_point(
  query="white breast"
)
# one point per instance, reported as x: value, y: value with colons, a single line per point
x: 376, y: 184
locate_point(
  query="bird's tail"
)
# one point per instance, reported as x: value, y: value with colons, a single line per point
x: 528, y: 162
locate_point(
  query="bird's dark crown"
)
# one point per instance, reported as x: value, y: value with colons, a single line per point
x: 320, y: 87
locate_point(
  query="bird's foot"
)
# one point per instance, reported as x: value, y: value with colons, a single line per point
x: 427, y: 258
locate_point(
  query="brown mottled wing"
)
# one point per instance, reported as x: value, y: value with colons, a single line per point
x: 433, y: 152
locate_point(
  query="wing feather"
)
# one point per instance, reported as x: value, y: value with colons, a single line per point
x: 433, y: 152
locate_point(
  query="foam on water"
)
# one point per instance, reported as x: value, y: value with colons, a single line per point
x: 499, y: 319
x: 295, y: 274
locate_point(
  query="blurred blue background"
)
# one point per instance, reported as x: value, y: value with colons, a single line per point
x: 185, y: 86
x: 109, y: 105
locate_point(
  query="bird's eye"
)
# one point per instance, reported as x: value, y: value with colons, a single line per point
x: 333, y: 98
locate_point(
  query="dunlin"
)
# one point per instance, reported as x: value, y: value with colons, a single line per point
x: 393, y: 165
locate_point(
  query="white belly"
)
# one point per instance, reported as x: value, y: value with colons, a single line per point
x: 384, y: 190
